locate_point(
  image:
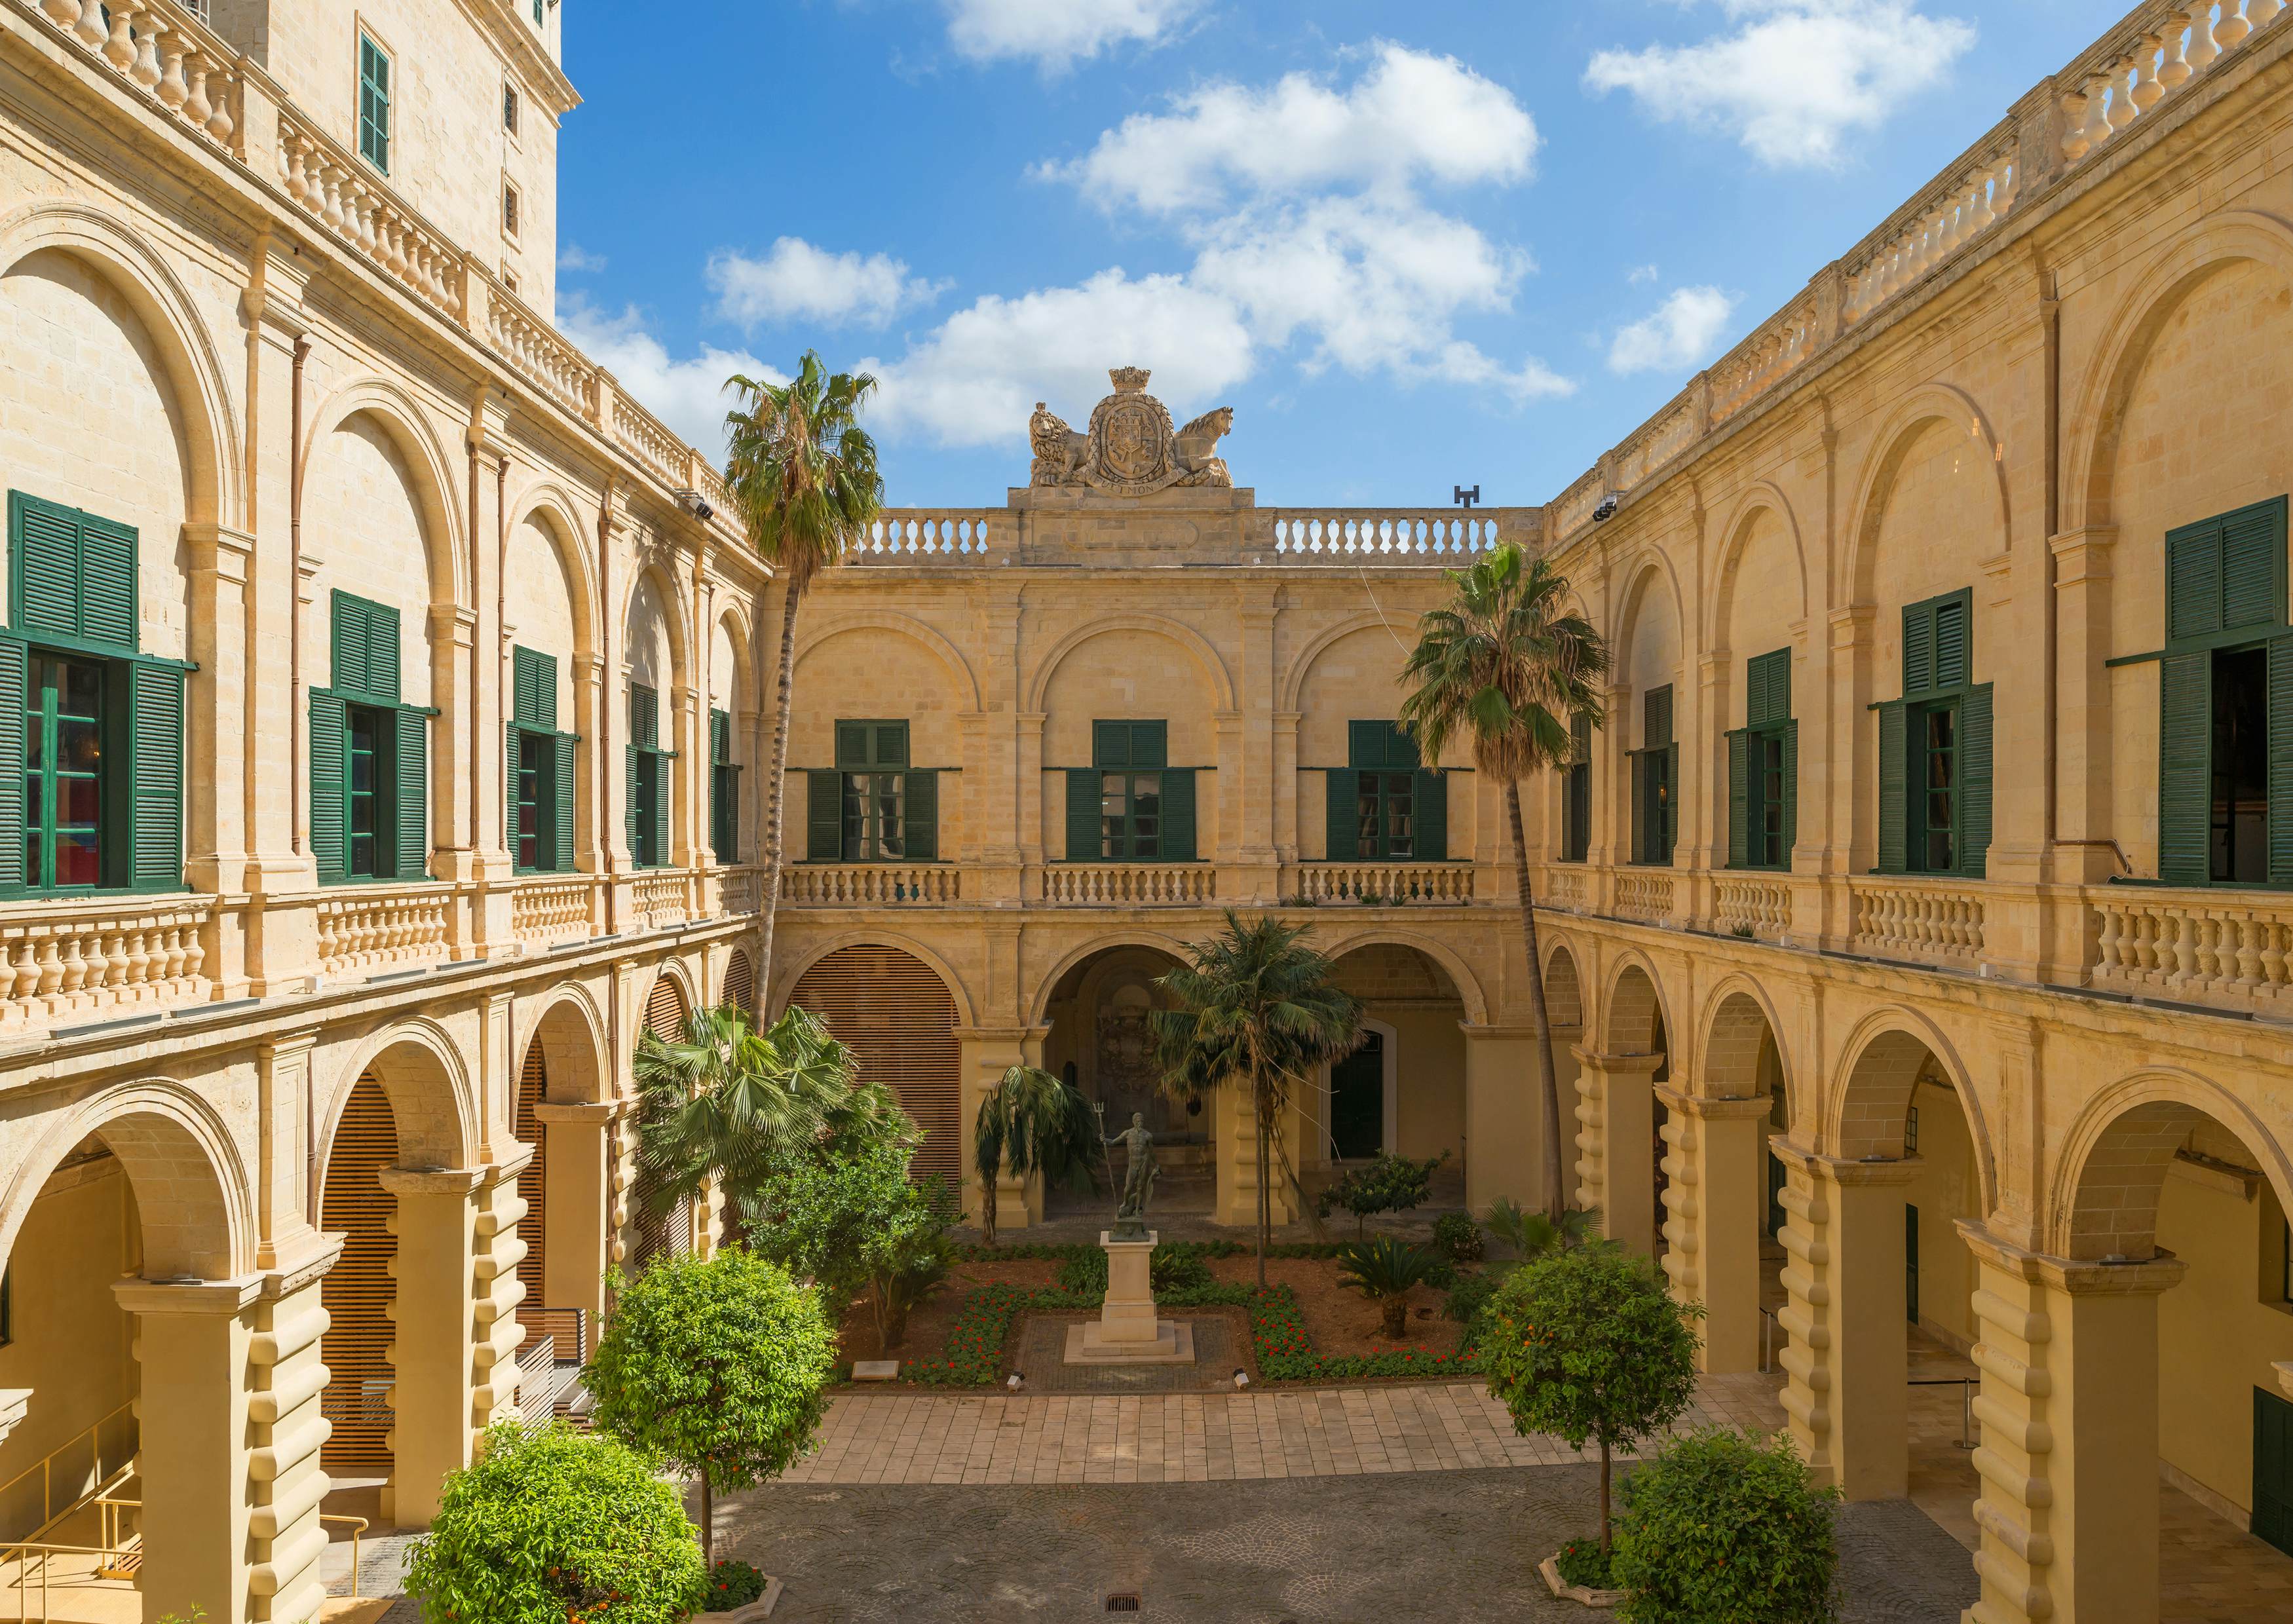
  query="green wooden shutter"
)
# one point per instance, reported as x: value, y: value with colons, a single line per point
x: 664, y: 791
x: 1671, y: 833
x: 1366, y: 744
x: 1895, y: 792
x: 382, y: 654
x: 155, y: 775
x: 852, y: 747
x: 1656, y: 718
x: 11, y: 765
x: 409, y: 786
x: 2253, y: 568
x: 1791, y: 789
x: 1767, y: 696
x: 1110, y: 745
x: 1150, y: 745
x: 374, y: 104
x: 1343, y: 814
x: 919, y: 827
x: 2193, y: 581
x: 1429, y: 793
x: 823, y: 815
x: 1974, y: 769
x: 509, y: 788
x: 329, y: 823
x: 1739, y: 789
x: 2185, y: 730
x: 2281, y: 762
x: 107, y: 581
x: 536, y: 683
x: 888, y: 745
x: 1918, y: 648
x: 43, y: 576
x: 1642, y: 834
x: 348, y: 629
x: 629, y: 799
x: 1178, y: 814
x: 1401, y: 749
x: 644, y: 717
x: 1952, y: 652
x: 1084, y: 844
x: 562, y: 782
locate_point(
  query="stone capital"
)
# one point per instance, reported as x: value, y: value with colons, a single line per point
x: 1616, y: 1065
x: 1711, y: 1108
x: 1839, y: 1170
x: 220, y: 549
x: 431, y: 1181
x: 306, y: 1257
x: 2074, y: 1276
x: 1851, y: 627
x: 598, y: 1112
x: 2082, y: 554
x: 15, y: 1403
x: 217, y: 1297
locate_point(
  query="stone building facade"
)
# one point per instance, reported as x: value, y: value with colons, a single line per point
x: 374, y: 692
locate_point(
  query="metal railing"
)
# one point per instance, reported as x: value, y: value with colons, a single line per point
x: 97, y: 1479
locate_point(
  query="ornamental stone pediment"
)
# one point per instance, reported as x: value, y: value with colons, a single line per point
x: 1131, y: 450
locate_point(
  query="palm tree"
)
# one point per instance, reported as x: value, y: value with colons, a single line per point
x: 1507, y: 666
x: 802, y: 474
x: 1031, y: 1122
x: 1257, y: 1009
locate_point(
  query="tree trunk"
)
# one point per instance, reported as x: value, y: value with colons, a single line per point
x: 1540, y: 1022
x: 1396, y: 1316
x: 1265, y: 1207
x: 775, y: 796
x: 987, y: 1176
x: 708, y: 1523
x: 1604, y: 1496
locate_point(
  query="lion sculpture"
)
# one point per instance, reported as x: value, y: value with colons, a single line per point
x: 1192, y: 453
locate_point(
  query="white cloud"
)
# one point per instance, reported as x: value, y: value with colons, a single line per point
x: 688, y: 395
x: 1640, y: 275
x: 796, y: 281
x: 1679, y: 333
x: 1054, y: 34
x: 1412, y: 116
x: 1796, y: 79
x: 573, y: 256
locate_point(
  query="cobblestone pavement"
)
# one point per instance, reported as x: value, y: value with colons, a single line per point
x: 1207, y: 1437
x: 1458, y: 1546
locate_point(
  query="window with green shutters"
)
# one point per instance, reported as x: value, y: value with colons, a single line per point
x: 1384, y: 805
x: 538, y: 769
x: 90, y: 728
x: 1131, y: 804
x: 2225, y: 704
x: 874, y: 804
x: 1935, y: 749
x: 1763, y: 768
x: 374, y: 104
x: 1577, y: 793
x: 1656, y: 775
x: 649, y: 781
x: 369, y: 754
x: 724, y: 789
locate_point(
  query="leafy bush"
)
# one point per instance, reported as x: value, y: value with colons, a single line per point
x: 1586, y: 1562
x: 1389, y: 1183
x: 1458, y: 1238
x: 1587, y: 1343
x: 553, y: 1524
x: 847, y: 1222
x: 1725, y: 1527
x: 732, y: 1584
x: 1469, y: 1299
x: 1532, y: 1234
x: 1383, y: 1270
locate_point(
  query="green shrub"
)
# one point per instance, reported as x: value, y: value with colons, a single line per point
x: 1469, y: 1299
x: 1725, y: 1527
x: 549, y: 1525
x: 1383, y: 1270
x: 1390, y: 1184
x: 734, y: 1584
x: 1584, y: 1561
x: 1458, y: 1238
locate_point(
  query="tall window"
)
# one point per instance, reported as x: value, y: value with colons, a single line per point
x: 874, y: 805
x: 1131, y: 804
x: 724, y: 789
x: 509, y: 108
x: 1384, y: 805
x: 2225, y: 691
x: 1577, y: 793
x: 539, y: 769
x: 91, y: 728
x: 369, y: 755
x: 1934, y: 748
x: 509, y: 209
x: 1763, y: 768
x: 648, y: 780
x: 1655, y: 773
x: 374, y: 104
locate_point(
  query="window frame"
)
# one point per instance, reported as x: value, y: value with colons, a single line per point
x: 1576, y: 794
x: 1656, y: 791
x: 44, y: 829
x: 512, y: 212
x: 1920, y: 793
x: 380, y: 796
x: 374, y: 134
x: 513, y: 109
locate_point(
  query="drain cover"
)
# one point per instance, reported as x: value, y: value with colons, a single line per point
x: 1123, y: 1601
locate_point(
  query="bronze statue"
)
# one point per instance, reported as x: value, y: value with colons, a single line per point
x: 1138, y: 1179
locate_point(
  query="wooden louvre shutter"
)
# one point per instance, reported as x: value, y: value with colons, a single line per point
x: 563, y: 780
x: 899, y: 1019
x: 644, y: 717
x: 536, y: 677
x: 1401, y: 751
x: 2226, y: 573
x: 1951, y: 642
x: 664, y: 1014
x: 1918, y: 648
x: 155, y: 775
x: 1110, y: 745
x: 919, y: 830
x: 1366, y: 744
x: 1894, y: 806
x: 1668, y: 807
x: 1084, y: 842
x: 2186, y: 729
x: 1643, y: 836
x: 533, y: 1187
x: 1430, y: 798
x: 12, y: 676
x: 348, y: 628
x: 661, y: 791
x: 409, y: 794
x: 2281, y: 762
x: 852, y: 747
x: 329, y: 828
x: 719, y: 726
x: 512, y: 751
x: 357, y: 1293
x: 1974, y: 770
x: 1343, y: 814
x: 629, y: 800
x: 1739, y: 798
x: 1656, y: 718
x: 741, y: 982
x: 107, y: 582
x: 1791, y: 789
x: 43, y: 576
x: 2193, y: 581
x: 1178, y: 814
x: 823, y: 819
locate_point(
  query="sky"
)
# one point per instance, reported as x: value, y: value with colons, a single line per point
x: 1412, y: 245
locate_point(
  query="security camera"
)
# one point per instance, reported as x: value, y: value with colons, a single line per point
x: 1605, y: 510
x: 690, y: 502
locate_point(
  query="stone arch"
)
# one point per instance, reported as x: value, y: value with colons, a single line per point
x: 1039, y: 1005
x: 1765, y: 496
x: 740, y: 689
x: 1633, y: 1008
x: 676, y: 976
x: 739, y: 988
x: 1905, y: 424
x: 2202, y: 251
x: 662, y: 580
x: 1563, y: 987
x: 400, y: 416
x: 550, y: 506
x: 1206, y: 659
x: 571, y: 1032
x: 196, y: 368
x: 1293, y: 680
x: 2103, y: 1196
x: 1451, y: 964
x: 191, y: 1188
x: 785, y: 979
x: 898, y: 1015
x: 422, y: 1074
x: 1739, y: 1016
x: 1868, y: 1108
x: 901, y: 626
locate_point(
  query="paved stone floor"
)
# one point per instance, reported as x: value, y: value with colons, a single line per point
x: 1461, y: 1546
x: 1221, y: 1343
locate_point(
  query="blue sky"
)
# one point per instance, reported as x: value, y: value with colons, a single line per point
x: 1412, y: 245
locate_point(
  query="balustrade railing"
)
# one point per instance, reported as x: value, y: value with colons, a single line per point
x: 920, y: 535
x: 1100, y: 884
x: 551, y: 910
x: 1390, y: 883
x: 166, y: 49
x: 376, y: 927
x: 76, y: 962
x: 661, y: 897
x: 1388, y: 535
x: 1644, y: 894
x: 742, y: 891
x: 1933, y: 920
x: 2230, y: 950
x: 647, y: 438
x: 360, y: 209
x: 1567, y: 886
x: 1971, y: 197
x: 2157, y: 51
x: 1757, y: 907
x: 868, y: 885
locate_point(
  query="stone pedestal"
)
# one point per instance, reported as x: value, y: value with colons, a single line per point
x: 1127, y: 1330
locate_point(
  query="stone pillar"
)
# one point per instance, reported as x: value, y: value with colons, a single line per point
x: 1234, y: 1130
x: 192, y: 1415
x: 215, y: 852
x: 687, y: 774
x: 453, y: 840
x: 431, y: 1394
x: 1611, y: 841
x: 2068, y: 1511
x: 284, y: 1437
x: 988, y: 1052
x: 1849, y: 1349
x: 495, y: 1292
x: 1504, y: 1117
x: 1615, y: 1144
x: 579, y: 1199
x: 1714, y: 1197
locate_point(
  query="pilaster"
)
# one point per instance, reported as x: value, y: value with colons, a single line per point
x: 1615, y: 1144
x: 1714, y: 1200
x: 433, y: 1396
x: 988, y: 1052
x: 580, y: 1196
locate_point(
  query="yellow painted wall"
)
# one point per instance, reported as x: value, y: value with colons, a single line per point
x: 1944, y: 1191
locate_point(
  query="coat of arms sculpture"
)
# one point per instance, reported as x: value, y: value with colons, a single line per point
x: 1131, y: 450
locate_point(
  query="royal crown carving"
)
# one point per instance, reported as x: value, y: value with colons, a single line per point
x: 1131, y: 450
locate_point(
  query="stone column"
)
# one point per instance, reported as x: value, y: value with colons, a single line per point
x: 1714, y: 1198
x: 988, y: 1052
x: 215, y: 750
x: 687, y: 777
x: 192, y: 1415
x: 578, y: 1196
x: 431, y: 1395
x: 1504, y: 1117
x: 495, y: 1292
x: 1616, y: 1143
x: 1234, y: 1129
x: 1611, y: 841
x: 1849, y: 1349
x: 1286, y: 848
x: 2068, y: 1511
x: 453, y: 854
x: 284, y: 1437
